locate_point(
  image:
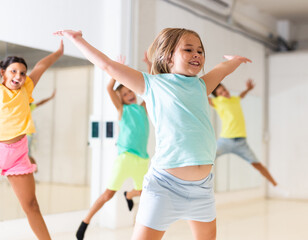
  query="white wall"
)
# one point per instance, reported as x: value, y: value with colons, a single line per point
x: 302, y: 36
x: 60, y: 142
x: 34, y: 22
x: 288, y: 116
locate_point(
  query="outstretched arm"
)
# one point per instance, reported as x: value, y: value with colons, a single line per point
x: 249, y: 86
x: 42, y: 65
x: 127, y: 76
x: 220, y: 71
x: 46, y: 99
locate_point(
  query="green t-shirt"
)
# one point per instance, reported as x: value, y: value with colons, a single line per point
x: 134, y: 131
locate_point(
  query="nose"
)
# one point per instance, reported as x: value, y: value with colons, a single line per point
x: 17, y: 75
x: 196, y: 55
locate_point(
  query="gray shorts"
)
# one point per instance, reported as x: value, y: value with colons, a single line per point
x: 166, y: 199
x: 236, y: 146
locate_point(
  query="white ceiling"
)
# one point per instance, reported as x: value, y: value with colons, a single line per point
x: 293, y: 10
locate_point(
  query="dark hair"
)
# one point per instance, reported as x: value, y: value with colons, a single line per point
x: 119, y: 87
x: 12, y: 59
x: 214, y: 91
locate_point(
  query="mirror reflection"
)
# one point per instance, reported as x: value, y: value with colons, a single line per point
x: 60, y: 145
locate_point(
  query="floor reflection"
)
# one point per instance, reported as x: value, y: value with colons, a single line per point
x: 259, y: 219
x: 52, y: 198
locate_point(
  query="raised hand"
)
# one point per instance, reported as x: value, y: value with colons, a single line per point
x: 61, y: 48
x: 68, y: 33
x: 236, y: 57
x: 121, y: 59
x: 250, y: 84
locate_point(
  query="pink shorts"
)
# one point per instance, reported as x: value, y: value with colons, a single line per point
x: 14, y: 158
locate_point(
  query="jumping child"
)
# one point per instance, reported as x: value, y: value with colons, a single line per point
x: 233, y: 135
x: 179, y: 183
x: 133, y: 159
x: 15, y: 122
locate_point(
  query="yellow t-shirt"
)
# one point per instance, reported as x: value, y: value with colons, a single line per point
x: 15, y: 114
x: 232, y: 117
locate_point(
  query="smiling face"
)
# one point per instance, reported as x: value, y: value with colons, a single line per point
x: 14, y: 76
x: 188, y: 57
x: 127, y: 96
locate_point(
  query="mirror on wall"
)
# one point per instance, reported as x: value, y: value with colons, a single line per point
x: 233, y: 173
x: 60, y: 144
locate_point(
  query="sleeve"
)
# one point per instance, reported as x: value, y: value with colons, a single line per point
x: 147, y: 78
x: 214, y: 101
x: 32, y: 106
x: 29, y: 87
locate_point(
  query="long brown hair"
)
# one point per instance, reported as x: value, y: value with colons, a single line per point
x: 161, y: 50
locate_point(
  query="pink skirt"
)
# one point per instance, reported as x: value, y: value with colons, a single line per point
x: 14, y: 158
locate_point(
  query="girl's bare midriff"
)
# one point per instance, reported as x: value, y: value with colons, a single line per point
x: 14, y: 140
x: 191, y: 173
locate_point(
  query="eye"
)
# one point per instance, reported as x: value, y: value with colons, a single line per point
x: 23, y: 73
x: 200, y: 52
x: 13, y: 71
x: 187, y: 50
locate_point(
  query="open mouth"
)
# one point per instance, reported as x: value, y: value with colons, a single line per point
x: 14, y: 82
x: 132, y: 100
x: 197, y: 64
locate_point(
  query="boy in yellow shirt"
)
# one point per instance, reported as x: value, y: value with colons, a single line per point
x: 233, y: 135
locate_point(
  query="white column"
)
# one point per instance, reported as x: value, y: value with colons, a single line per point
x: 115, y: 35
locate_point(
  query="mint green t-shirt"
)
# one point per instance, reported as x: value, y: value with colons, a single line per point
x: 180, y: 112
x: 134, y: 131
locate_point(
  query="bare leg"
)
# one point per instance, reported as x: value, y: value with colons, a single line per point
x: 133, y: 193
x: 203, y: 230
x: 264, y: 172
x: 24, y: 188
x: 99, y: 203
x: 129, y: 196
x: 145, y: 233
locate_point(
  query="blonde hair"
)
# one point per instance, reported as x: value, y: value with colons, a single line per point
x: 161, y: 50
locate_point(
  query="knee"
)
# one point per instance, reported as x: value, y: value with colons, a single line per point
x: 31, y: 206
x: 107, y: 195
x: 257, y: 165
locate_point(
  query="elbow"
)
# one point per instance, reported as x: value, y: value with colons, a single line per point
x: 109, y: 89
x: 106, y: 65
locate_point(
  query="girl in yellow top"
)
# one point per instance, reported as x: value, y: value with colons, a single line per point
x: 15, y: 122
x: 233, y: 135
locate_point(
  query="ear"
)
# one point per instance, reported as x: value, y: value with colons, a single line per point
x: 2, y: 72
x: 170, y: 60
